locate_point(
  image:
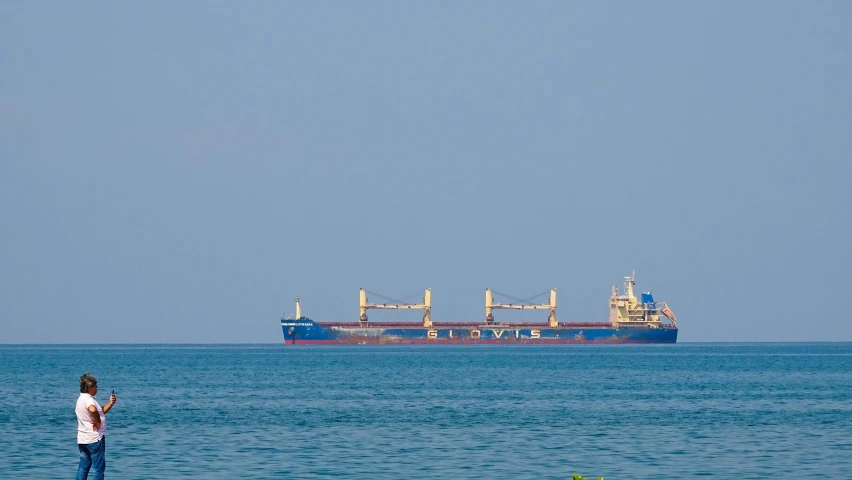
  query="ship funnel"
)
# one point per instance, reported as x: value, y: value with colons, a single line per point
x: 298, y: 309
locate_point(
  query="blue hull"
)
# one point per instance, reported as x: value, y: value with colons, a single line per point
x: 305, y: 332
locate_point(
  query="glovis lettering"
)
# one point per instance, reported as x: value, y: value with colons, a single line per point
x: 451, y: 334
x: 433, y: 334
x: 475, y: 334
x: 535, y: 333
x: 498, y: 333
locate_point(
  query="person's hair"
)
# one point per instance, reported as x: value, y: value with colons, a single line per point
x: 86, y: 381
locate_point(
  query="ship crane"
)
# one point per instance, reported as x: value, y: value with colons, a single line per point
x: 490, y: 305
x: 426, y: 306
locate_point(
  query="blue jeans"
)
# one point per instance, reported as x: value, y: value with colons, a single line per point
x: 92, y: 455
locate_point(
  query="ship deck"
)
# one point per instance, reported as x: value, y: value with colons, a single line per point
x: 438, y: 325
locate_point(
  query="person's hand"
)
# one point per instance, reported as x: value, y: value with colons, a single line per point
x: 112, y: 398
x: 96, y: 426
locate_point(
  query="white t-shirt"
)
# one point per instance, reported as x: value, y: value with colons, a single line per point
x: 85, y: 433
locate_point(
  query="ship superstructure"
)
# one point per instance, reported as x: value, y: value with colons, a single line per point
x: 625, y: 310
x: 631, y: 320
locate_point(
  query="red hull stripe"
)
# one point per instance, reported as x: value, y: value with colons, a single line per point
x: 543, y: 341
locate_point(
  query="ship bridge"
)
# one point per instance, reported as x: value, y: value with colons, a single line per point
x: 627, y: 310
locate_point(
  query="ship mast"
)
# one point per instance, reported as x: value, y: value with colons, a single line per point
x: 628, y: 285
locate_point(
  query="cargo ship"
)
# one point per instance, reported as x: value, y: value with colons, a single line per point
x: 631, y: 320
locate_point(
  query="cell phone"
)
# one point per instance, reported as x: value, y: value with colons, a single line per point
x: 113, y: 393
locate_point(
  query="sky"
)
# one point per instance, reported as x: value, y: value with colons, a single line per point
x: 178, y: 172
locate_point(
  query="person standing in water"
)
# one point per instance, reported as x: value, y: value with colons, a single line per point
x: 91, y: 429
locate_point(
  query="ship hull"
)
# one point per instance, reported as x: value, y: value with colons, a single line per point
x: 307, y: 332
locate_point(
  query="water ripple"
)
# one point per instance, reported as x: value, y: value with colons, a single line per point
x: 727, y: 411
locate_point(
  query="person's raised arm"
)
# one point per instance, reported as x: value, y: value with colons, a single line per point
x: 109, y: 405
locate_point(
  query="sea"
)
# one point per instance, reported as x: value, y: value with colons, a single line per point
x: 735, y: 410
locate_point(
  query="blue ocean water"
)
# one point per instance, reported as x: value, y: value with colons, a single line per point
x: 622, y: 411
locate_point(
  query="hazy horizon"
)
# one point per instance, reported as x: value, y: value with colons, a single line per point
x: 179, y: 172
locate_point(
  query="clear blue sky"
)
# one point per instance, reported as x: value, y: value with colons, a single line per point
x: 179, y: 171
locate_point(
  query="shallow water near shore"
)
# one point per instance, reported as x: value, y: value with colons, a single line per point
x: 270, y: 411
